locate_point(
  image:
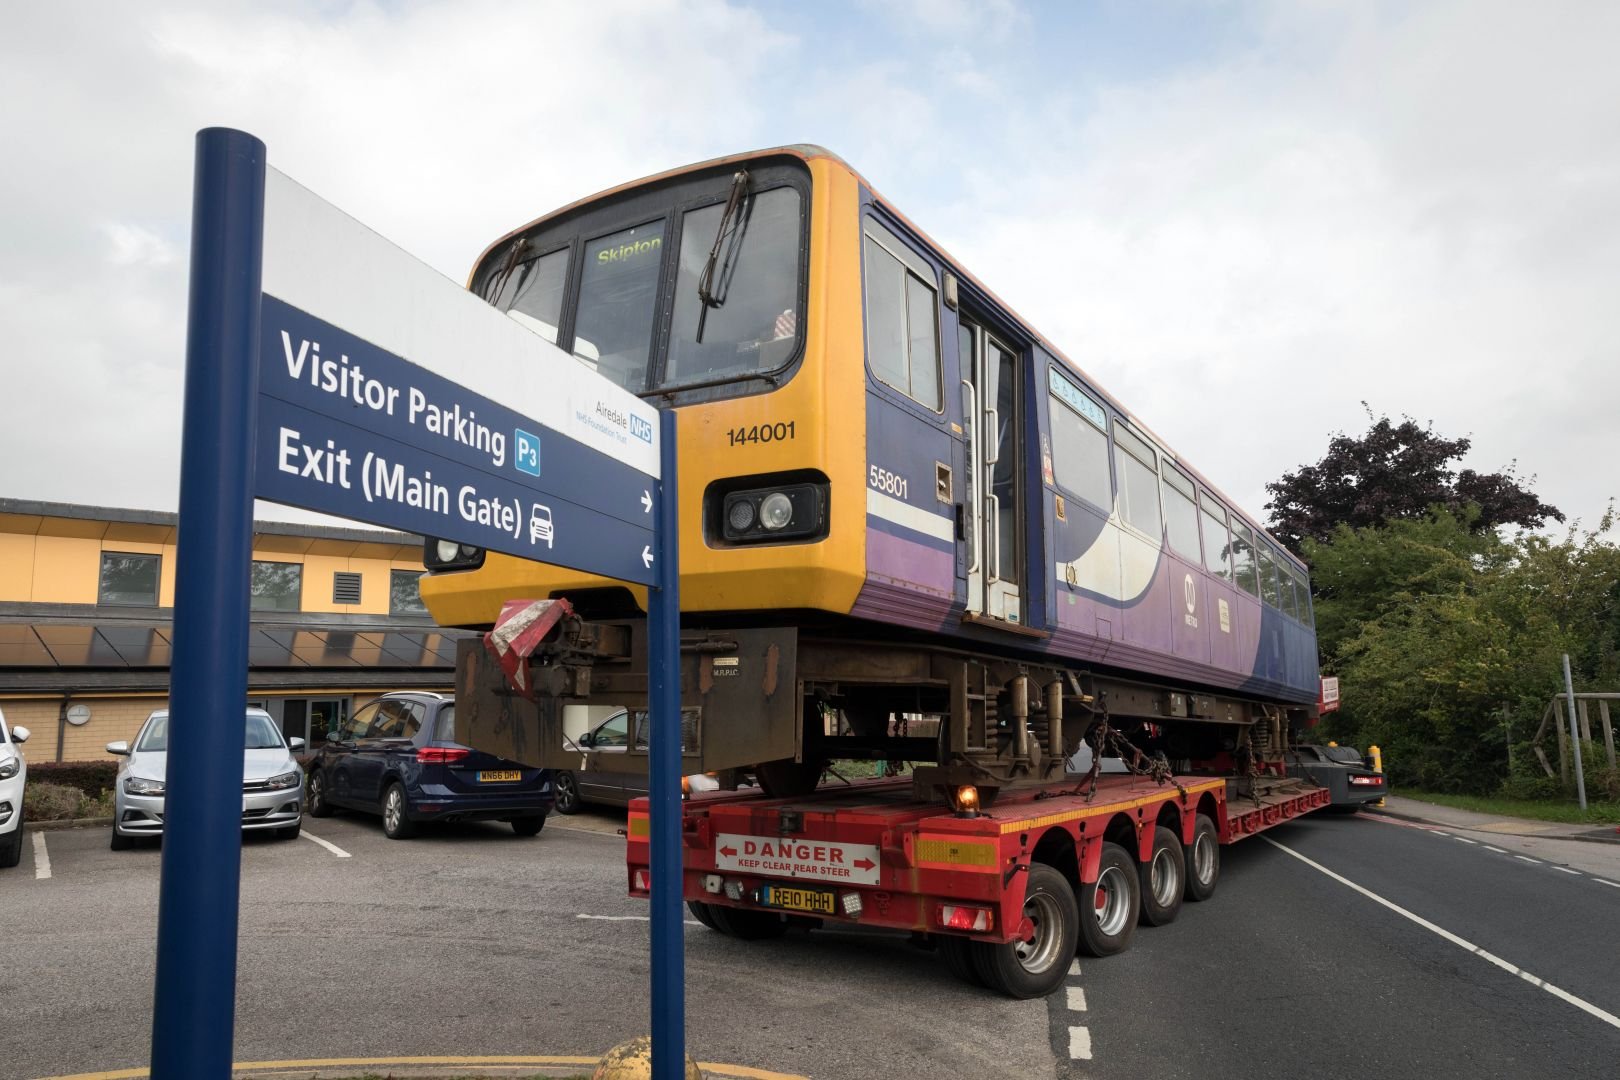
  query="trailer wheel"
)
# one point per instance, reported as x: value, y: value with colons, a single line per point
x: 747, y: 925
x: 1034, y: 968
x: 957, y: 952
x: 1111, y: 904
x: 703, y: 913
x: 1163, y: 879
x: 1203, y: 860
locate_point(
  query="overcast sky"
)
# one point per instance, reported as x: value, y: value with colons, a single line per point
x: 1241, y: 219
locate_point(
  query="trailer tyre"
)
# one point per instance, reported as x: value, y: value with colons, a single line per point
x: 1034, y: 968
x: 1111, y: 904
x: 747, y: 925
x: 1163, y: 879
x: 1203, y: 860
x: 957, y: 952
x: 789, y: 779
x: 703, y: 913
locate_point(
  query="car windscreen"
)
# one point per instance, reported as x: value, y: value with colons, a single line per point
x: 155, y: 736
x: 262, y: 733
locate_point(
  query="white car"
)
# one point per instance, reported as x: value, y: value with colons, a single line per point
x: 13, y: 775
x: 272, y: 782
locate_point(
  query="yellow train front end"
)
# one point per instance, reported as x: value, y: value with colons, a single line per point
x: 740, y: 280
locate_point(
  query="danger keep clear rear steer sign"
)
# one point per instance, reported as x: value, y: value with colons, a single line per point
x: 809, y: 860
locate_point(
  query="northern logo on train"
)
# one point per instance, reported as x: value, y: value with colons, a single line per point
x: 1190, y: 594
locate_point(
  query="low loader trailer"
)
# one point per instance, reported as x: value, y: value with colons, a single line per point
x: 1008, y: 892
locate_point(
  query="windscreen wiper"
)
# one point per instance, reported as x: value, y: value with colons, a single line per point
x: 497, y: 281
x: 730, y: 220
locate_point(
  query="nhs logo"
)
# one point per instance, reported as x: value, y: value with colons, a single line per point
x: 526, y: 452
x: 641, y: 429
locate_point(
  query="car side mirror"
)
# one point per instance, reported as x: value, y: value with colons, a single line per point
x: 121, y: 748
x: 19, y: 734
x: 295, y: 744
x: 587, y: 739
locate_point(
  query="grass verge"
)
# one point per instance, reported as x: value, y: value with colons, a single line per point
x: 1597, y: 813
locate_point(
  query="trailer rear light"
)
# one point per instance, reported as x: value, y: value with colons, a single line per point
x: 952, y: 917
x: 441, y: 755
x: 1367, y: 781
x: 734, y: 890
x: 851, y: 903
x: 641, y: 879
x: 712, y: 883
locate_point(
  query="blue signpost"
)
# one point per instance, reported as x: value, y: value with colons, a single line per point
x: 317, y: 366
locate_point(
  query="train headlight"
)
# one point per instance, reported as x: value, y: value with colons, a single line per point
x: 441, y: 555
x: 776, y: 511
x: 784, y: 511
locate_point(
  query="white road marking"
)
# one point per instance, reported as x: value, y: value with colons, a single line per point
x: 1527, y: 858
x: 1585, y: 1006
x: 1080, y: 1043
x: 1606, y: 881
x: 1499, y: 851
x: 631, y: 918
x: 327, y: 844
x: 1465, y: 839
x: 42, y: 858
x: 1567, y: 870
x: 1077, y: 998
x: 1074, y: 967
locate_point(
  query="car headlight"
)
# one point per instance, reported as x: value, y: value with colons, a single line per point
x: 136, y: 785
x: 9, y: 768
x: 284, y: 780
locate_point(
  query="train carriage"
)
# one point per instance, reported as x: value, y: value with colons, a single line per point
x: 896, y: 484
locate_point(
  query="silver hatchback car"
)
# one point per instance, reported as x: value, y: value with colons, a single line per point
x: 272, y: 782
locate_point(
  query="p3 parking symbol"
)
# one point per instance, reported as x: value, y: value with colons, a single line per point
x: 526, y: 452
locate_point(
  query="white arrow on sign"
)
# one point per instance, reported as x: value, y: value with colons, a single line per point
x: 646, y: 556
x: 646, y: 502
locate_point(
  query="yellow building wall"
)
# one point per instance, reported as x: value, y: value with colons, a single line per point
x: 67, y: 570
x: 16, y: 567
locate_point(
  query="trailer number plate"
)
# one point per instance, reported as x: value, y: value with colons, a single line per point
x: 816, y: 901
x: 809, y: 860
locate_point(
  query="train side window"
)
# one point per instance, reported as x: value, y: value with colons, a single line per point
x: 1217, y: 544
x: 1268, y: 576
x: 1285, y: 587
x: 1138, y: 483
x: 1302, y: 590
x: 1180, y: 512
x: 902, y: 318
x: 1243, y: 558
x: 1079, y: 443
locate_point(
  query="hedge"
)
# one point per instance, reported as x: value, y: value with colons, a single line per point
x: 89, y: 777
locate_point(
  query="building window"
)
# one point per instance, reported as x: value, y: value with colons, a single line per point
x: 404, y: 598
x: 129, y: 580
x: 275, y: 586
x: 345, y: 588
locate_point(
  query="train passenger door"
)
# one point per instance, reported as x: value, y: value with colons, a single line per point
x: 991, y: 408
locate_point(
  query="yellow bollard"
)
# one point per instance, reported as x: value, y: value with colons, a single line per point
x: 1378, y: 767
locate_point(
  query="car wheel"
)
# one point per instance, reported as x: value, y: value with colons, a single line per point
x: 1203, y: 860
x: 290, y: 832
x: 1034, y: 968
x: 529, y: 826
x: 1163, y: 879
x: 748, y: 925
x: 315, y: 801
x: 11, y: 849
x: 1111, y: 904
x: 566, y: 787
x: 397, y: 823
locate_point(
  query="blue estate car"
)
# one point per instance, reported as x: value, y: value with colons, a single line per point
x: 398, y: 757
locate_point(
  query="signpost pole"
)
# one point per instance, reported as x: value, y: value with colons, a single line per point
x: 194, y: 999
x: 664, y: 765
x: 1574, y: 735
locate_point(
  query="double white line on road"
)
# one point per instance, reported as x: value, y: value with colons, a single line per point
x: 1585, y: 1006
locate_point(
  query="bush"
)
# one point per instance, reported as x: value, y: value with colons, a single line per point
x: 59, y: 802
x: 89, y: 777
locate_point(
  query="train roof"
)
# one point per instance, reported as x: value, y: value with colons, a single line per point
x: 808, y: 151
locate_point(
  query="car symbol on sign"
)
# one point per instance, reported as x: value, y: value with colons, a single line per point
x: 540, y: 525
